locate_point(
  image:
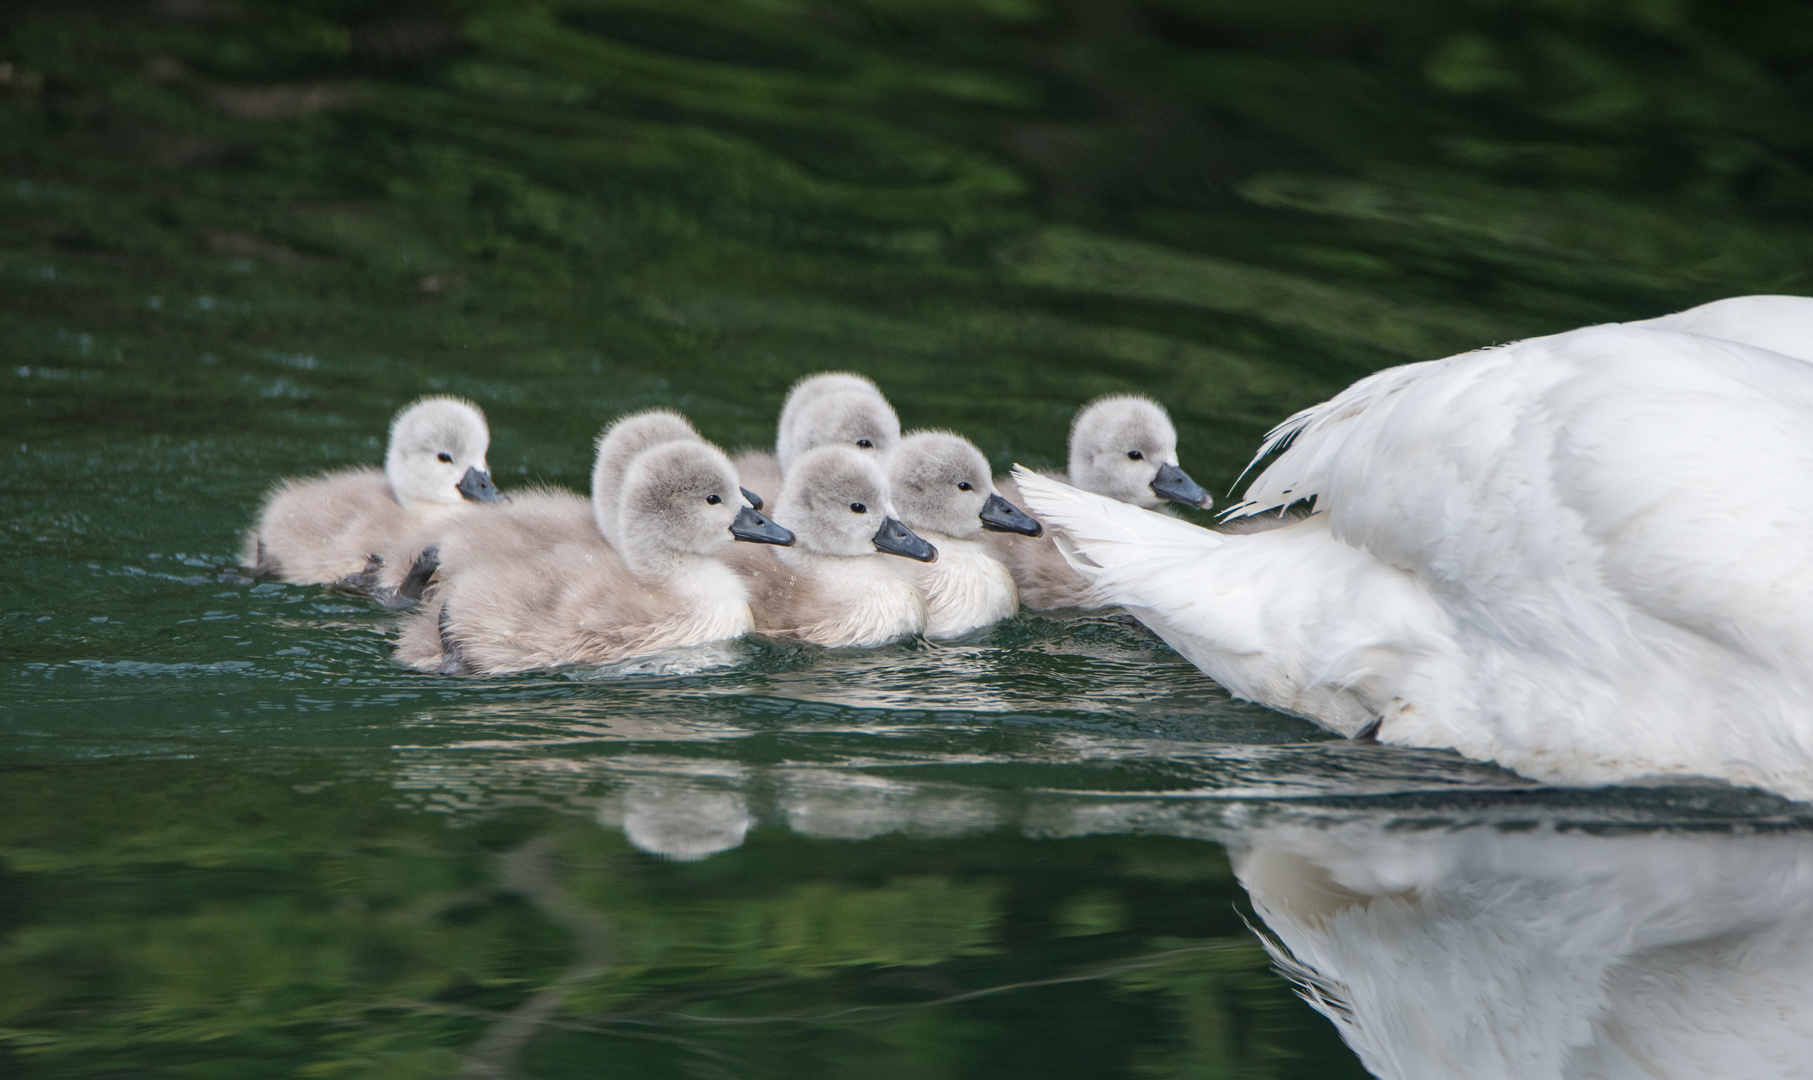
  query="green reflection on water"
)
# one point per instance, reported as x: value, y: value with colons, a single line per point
x: 201, y: 926
x: 235, y: 236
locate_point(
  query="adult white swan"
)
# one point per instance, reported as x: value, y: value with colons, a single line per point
x: 1587, y: 557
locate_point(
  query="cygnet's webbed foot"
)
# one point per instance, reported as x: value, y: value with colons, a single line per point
x: 263, y: 564
x: 419, y: 572
x: 367, y: 582
x: 453, y: 658
x: 409, y: 593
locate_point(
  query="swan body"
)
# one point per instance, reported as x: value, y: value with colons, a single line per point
x: 1583, y: 557
x: 942, y: 489
x: 1547, y: 953
x: 837, y: 586
x: 1782, y: 324
x: 1123, y: 447
x: 361, y: 527
x: 538, y: 585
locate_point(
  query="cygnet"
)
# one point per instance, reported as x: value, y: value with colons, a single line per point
x: 821, y: 410
x: 942, y: 489
x: 1123, y: 447
x: 834, y: 588
x: 618, y: 446
x: 361, y: 528
x: 518, y: 590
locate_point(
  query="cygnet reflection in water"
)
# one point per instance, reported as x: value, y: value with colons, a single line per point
x: 1485, y: 955
x: 681, y: 819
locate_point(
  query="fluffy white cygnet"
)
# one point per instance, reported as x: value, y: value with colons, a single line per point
x: 1123, y: 447
x: 1584, y: 557
x: 941, y: 487
x: 362, y: 528
x: 837, y: 586
x: 823, y: 410
x: 618, y: 445
x: 518, y: 589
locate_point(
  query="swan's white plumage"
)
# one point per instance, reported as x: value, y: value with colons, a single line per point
x: 1583, y: 556
x: 1782, y: 324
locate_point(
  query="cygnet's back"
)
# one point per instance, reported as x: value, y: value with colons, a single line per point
x: 839, y: 584
x: 823, y: 410
x: 357, y: 526
x: 523, y: 593
x: 941, y: 486
x: 1123, y: 447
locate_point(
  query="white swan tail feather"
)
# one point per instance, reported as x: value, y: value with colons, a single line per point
x: 1107, y: 541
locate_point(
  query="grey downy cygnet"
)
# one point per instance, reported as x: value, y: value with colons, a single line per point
x: 619, y: 445
x: 838, y: 586
x: 521, y: 590
x: 360, y: 528
x: 941, y: 487
x: 1123, y: 447
x: 821, y: 410
x: 555, y: 513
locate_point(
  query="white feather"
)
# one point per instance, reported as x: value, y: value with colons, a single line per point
x: 1586, y: 557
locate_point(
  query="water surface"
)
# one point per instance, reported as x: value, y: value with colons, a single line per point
x: 237, y: 840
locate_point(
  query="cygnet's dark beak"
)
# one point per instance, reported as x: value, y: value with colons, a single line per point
x: 753, y: 499
x: 476, y: 486
x: 896, y: 539
x: 1175, y: 484
x: 756, y: 529
x: 999, y: 515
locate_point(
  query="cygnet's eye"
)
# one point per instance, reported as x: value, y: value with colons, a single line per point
x: 965, y: 485
x: 866, y: 444
x: 445, y: 457
x: 859, y: 508
x: 1135, y: 455
x: 714, y: 499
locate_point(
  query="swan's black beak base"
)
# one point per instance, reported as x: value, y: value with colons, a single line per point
x: 895, y: 538
x: 1175, y: 484
x: 999, y: 515
x: 476, y: 486
x: 753, y: 528
x: 751, y: 497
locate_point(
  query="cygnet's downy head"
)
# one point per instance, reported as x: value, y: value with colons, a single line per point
x: 813, y: 387
x: 837, y: 498
x: 1124, y: 447
x: 618, y: 445
x: 437, y: 454
x: 861, y: 419
x: 940, y: 483
x: 681, y: 498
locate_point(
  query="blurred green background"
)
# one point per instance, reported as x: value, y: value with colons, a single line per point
x: 236, y: 235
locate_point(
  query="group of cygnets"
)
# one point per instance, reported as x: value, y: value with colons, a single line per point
x: 873, y: 535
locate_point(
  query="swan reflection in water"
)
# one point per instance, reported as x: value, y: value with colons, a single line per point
x: 1476, y: 953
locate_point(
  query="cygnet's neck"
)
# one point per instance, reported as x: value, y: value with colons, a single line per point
x: 1145, y: 498
x: 967, y: 588
x: 870, y: 599
x: 660, y: 564
x: 428, y: 509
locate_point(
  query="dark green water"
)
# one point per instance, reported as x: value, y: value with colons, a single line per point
x: 237, y: 841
